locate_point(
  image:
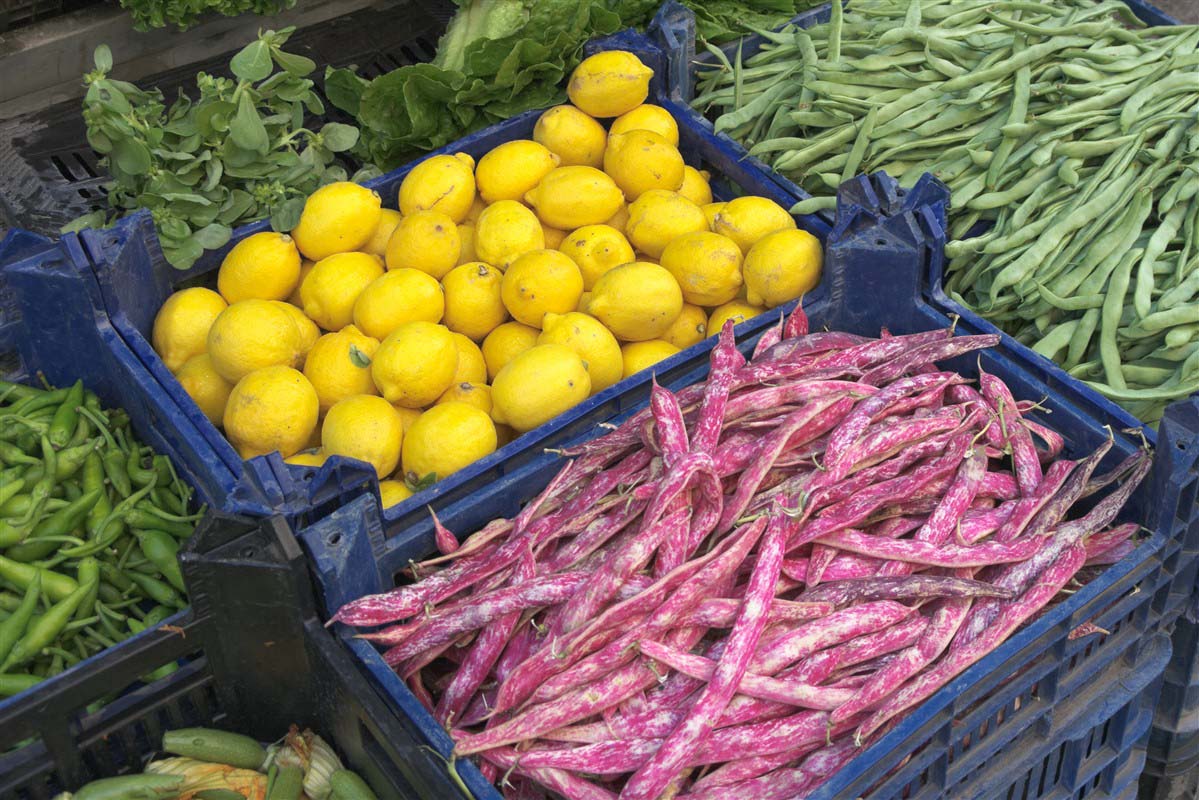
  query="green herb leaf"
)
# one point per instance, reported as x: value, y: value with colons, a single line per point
x: 131, y: 157
x: 344, y: 88
x: 292, y: 63
x: 286, y: 215
x: 359, y: 358
x: 252, y: 62
x: 246, y: 128
x: 183, y: 254
x: 103, y: 58
x: 339, y: 137
x: 210, y: 237
x: 417, y: 483
x: 95, y: 219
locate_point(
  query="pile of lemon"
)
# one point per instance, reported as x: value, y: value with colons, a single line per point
x: 499, y: 295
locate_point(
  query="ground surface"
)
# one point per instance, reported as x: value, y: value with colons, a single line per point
x: 1181, y: 10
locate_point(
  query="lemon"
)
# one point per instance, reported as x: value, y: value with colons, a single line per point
x: 366, y: 428
x: 643, y: 160
x: 513, y: 168
x: 305, y: 268
x: 695, y: 186
x: 339, y: 366
x: 205, y: 386
x: 337, y: 218
x: 441, y: 183
x: 407, y: 416
x: 466, y: 239
x: 658, y: 217
x: 182, y: 324
x: 504, y: 231
x: 305, y: 458
x: 575, y: 138
x: 647, y: 117
x: 637, y: 356
x: 389, y: 218
x: 539, y: 282
x: 505, y: 343
x: 271, y: 409
x: 620, y: 219
x: 782, y: 266
x: 308, y: 330
x: 706, y: 265
x: 425, y: 240
x: 609, y: 84
x: 597, y: 249
x: 571, y: 197
x: 446, y: 438
x: 396, y: 297
x: 332, y: 288
x: 265, y: 266
x: 473, y: 394
x: 691, y: 327
x: 415, y: 364
x: 584, y: 300
x: 472, y: 367
x: 553, y: 236
x: 710, y: 211
x: 538, y: 385
x: 594, y: 343
x: 392, y: 493
x: 474, y: 305
x: 504, y: 434
x: 476, y: 208
x: 745, y: 220
x: 736, y: 310
x: 250, y: 335
x: 637, y: 301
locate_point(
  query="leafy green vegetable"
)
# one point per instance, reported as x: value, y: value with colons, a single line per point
x: 185, y: 13
x: 237, y: 153
x: 499, y: 58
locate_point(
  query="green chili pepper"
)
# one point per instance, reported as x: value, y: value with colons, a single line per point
x: 45, y: 537
x: 114, y: 468
x: 66, y: 417
x: 146, y: 516
x: 43, y: 485
x: 11, y: 454
x: 161, y: 550
x: 10, y: 489
x: 13, y: 628
x: 157, y: 614
x: 114, y: 576
x: 9, y: 602
x: 87, y: 572
x: 107, y: 532
x: 139, y: 475
x: 19, y: 391
x: 157, y: 591
x: 42, y: 632
x: 55, y: 585
x: 16, y: 683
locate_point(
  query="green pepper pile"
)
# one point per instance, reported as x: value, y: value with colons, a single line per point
x: 90, y: 524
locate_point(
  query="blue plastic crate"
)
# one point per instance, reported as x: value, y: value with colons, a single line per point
x: 1178, y: 714
x: 874, y: 271
x: 135, y: 279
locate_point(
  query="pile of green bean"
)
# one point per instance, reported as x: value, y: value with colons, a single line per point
x: 1068, y: 133
x: 90, y: 524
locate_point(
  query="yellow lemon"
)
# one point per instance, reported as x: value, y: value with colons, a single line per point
x: 538, y: 385
x: 366, y: 428
x: 473, y: 394
x: 305, y: 268
x: 513, y: 168
x: 474, y: 305
x: 308, y: 330
x: 691, y: 327
x: 407, y: 416
x: 710, y: 211
x: 637, y: 356
x: 647, y: 117
x: 504, y: 231
x: 205, y: 386
x: 553, y: 236
x: 736, y: 310
x: 594, y: 343
x: 782, y: 266
x: 609, y: 84
x: 643, y: 160
x: 332, y: 288
x: 695, y: 186
x: 466, y: 238
x: 706, y: 265
x: 182, y: 324
x: 337, y: 218
x: 250, y: 335
x: 574, y: 137
x: 305, y: 458
x: 271, y: 409
x: 571, y: 197
x: 472, y: 367
x: 425, y: 240
x: 745, y: 220
x: 446, y: 438
x: 392, y: 493
x: 505, y: 343
x: 584, y: 299
x: 597, y: 249
x: 396, y: 297
x: 476, y: 208
x: 339, y: 366
x: 539, y: 282
x: 637, y: 301
x: 415, y: 364
x: 265, y: 266
x: 441, y: 183
x: 659, y: 217
x: 620, y: 219
x: 389, y: 218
